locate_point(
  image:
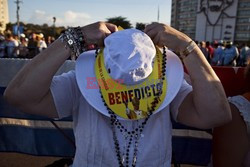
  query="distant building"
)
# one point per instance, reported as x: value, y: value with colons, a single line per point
x: 242, y: 29
x: 209, y: 20
x: 183, y: 16
x: 4, y: 14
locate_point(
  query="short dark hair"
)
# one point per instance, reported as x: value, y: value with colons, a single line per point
x: 9, y: 35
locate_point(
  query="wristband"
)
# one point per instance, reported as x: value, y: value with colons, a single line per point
x: 190, y: 47
x: 73, y: 38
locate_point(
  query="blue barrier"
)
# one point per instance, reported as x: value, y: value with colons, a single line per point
x: 35, y: 141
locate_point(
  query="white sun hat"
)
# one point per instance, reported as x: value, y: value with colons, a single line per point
x: 130, y: 56
x: 22, y: 35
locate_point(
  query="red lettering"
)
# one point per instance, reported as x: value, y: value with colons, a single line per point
x: 118, y: 84
x: 109, y: 83
x: 90, y: 83
x: 100, y: 83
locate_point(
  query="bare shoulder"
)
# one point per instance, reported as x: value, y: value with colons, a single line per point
x: 230, y: 141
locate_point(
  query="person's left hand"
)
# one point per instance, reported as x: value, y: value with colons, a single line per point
x: 164, y: 35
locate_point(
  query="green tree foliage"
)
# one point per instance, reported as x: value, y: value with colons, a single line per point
x: 140, y: 26
x: 120, y: 21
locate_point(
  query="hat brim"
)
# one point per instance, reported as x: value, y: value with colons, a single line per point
x: 85, y: 70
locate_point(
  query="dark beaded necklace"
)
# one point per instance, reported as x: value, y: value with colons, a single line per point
x: 123, y: 160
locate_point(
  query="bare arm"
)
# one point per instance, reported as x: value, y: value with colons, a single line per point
x: 230, y: 142
x: 30, y: 88
x: 206, y: 106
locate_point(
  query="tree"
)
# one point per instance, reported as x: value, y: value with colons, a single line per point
x: 140, y: 26
x: 45, y: 29
x: 45, y: 25
x: 9, y: 26
x: 120, y: 21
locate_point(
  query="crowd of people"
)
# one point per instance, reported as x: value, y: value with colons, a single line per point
x: 23, y: 46
x: 225, y: 53
x: 105, y: 136
x: 217, y: 53
x: 97, y: 126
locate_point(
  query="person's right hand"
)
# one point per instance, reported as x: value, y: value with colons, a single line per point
x: 95, y: 33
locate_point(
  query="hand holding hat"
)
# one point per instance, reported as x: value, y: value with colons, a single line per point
x: 164, y: 35
x: 96, y: 32
x: 129, y: 67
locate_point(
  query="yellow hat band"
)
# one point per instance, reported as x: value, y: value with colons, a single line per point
x: 132, y: 101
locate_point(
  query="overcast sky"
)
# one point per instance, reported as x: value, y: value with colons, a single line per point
x: 82, y: 12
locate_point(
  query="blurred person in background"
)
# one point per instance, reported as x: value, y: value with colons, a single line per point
x: 11, y: 46
x: 204, y: 49
x: 2, y: 46
x: 243, y: 55
x: 248, y: 54
x: 17, y: 42
x: 50, y: 39
x: 210, y: 51
x: 218, y: 53
x: 231, y: 142
x: 230, y: 54
x: 32, y: 46
x: 41, y: 42
x: 23, y: 50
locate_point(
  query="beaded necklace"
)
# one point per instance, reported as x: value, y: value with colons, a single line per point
x: 136, y: 133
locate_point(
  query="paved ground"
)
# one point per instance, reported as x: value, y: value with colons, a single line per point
x: 23, y: 160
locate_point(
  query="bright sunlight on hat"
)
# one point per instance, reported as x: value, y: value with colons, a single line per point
x: 129, y: 53
x: 130, y: 76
